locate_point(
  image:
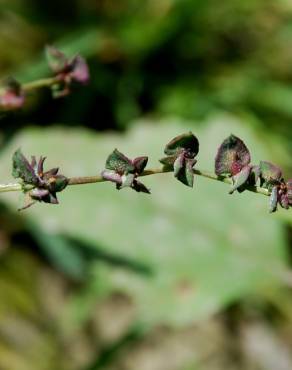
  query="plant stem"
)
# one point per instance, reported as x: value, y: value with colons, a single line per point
x: 96, y: 179
x: 209, y: 175
x: 44, y: 82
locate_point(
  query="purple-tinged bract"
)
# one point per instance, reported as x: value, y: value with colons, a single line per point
x: 270, y: 174
x: 45, y: 184
x: 124, y: 172
x: 231, y: 157
x: 181, y: 152
x: 66, y: 70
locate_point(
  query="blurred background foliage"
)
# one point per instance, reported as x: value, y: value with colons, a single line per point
x: 181, y: 280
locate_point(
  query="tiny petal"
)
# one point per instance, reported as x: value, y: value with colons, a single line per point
x: 168, y: 162
x: 254, y: 175
x: 269, y: 173
x: 189, y: 175
x: 179, y: 164
x: 140, y: 163
x: 240, y: 178
x: 185, y: 174
x: 80, y: 71
x: 273, y: 199
x: 127, y: 181
x: 22, y: 169
x: 39, y: 194
x: 187, y: 142
x: 51, y: 172
x: 139, y: 187
x: 40, y: 168
x: 56, y: 59
x: 51, y: 198
x: 284, y: 201
x: 112, y: 176
x: 231, y: 157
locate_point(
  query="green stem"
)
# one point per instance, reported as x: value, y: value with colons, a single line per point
x: 44, y: 82
x: 96, y: 179
x: 208, y: 175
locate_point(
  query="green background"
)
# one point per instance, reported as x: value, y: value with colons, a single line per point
x: 183, y: 279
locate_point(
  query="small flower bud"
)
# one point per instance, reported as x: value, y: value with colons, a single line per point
x: 11, y: 96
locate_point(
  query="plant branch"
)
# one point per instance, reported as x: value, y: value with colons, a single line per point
x: 37, y: 84
x: 97, y: 179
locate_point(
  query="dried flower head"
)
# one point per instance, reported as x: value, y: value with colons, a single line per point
x: 181, y: 152
x: 233, y: 160
x: 67, y: 70
x: 124, y: 172
x: 45, y: 185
